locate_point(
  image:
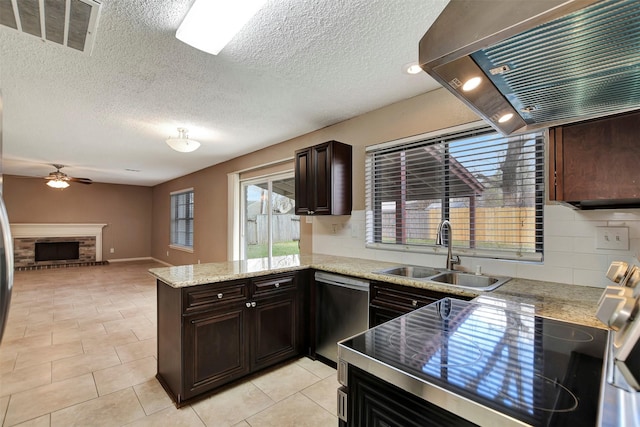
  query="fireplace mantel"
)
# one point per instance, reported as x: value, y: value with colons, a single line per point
x: 34, y: 230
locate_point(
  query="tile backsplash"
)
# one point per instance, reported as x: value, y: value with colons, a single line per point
x: 570, y: 254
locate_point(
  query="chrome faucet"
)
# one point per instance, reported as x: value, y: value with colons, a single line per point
x: 451, y: 260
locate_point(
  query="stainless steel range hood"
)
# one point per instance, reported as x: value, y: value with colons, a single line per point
x: 546, y: 62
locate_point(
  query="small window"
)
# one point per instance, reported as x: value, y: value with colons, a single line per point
x: 490, y: 188
x: 182, y: 219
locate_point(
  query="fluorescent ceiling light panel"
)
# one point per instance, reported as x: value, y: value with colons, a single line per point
x: 211, y: 24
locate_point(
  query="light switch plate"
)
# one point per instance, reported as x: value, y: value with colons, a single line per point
x: 616, y: 238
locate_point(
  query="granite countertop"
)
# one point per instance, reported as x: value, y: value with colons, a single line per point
x: 571, y: 303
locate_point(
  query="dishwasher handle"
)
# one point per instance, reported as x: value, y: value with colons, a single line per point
x: 343, y: 281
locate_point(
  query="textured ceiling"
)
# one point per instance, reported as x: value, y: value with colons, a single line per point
x: 297, y: 66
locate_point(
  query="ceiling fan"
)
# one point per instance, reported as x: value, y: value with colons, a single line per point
x: 61, y: 180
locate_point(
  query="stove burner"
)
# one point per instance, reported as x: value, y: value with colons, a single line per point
x: 556, y: 398
x: 431, y: 347
x: 566, y: 333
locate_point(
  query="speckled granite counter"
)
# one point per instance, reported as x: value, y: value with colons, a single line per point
x: 570, y: 303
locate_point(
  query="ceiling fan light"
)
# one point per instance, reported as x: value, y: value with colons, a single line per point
x: 57, y: 183
x: 182, y: 143
x: 210, y: 25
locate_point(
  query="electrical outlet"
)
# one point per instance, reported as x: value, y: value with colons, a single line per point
x: 112, y: 250
x: 167, y: 253
x: 616, y: 238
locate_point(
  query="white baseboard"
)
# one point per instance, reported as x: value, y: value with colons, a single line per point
x: 161, y: 262
x: 148, y: 258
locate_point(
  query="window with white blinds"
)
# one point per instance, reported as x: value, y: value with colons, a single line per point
x: 490, y: 187
x: 182, y: 219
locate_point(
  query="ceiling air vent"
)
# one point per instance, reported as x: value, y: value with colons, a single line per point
x: 70, y: 23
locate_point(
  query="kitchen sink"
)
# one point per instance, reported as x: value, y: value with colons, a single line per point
x: 440, y: 275
x: 411, y: 271
x: 472, y: 281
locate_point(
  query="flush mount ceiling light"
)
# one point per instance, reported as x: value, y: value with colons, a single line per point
x: 57, y: 183
x: 211, y: 24
x: 182, y: 143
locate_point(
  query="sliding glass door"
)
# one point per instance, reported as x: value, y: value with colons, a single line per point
x: 270, y: 229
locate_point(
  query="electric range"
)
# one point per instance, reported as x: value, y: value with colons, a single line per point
x: 494, y: 362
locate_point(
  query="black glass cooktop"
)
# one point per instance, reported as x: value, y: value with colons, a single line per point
x: 536, y: 370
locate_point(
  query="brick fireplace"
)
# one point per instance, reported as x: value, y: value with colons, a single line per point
x: 25, y: 237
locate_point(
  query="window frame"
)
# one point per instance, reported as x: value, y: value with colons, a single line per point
x: 175, y: 218
x: 373, y: 237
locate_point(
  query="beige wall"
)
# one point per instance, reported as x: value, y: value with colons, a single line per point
x: 127, y: 210
x: 431, y: 111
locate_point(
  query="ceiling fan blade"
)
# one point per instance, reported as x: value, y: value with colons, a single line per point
x: 81, y: 180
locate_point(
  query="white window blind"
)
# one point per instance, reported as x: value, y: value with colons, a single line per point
x: 490, y: 187
x: 182, y: 219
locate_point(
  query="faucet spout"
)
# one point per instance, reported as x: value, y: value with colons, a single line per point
x: 451, y: 260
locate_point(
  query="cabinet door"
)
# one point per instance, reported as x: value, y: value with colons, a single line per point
x: 595, y: 160
x: 215, y: 348
x: 374, y: 402
x: 276, y: 329
x: 378, y: 315
x: 303, y: 184
x: 321, y: 189
x: 323, y: 181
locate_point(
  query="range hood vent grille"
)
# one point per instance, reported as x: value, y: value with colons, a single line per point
x: 558, y: 68
x: 70, y: 23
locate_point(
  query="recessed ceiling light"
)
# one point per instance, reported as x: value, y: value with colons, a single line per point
x: 412, y: 68
x: 471, y: 84
x: 505, y: 118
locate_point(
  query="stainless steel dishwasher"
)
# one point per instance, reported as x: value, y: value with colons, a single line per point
x: 342, y: 310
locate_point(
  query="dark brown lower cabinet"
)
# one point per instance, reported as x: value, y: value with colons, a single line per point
x: 210, y: 335
x: 374, y: 402
x: 276, y: 327
x: 216, y: 347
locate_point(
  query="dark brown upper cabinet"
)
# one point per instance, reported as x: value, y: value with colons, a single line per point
x: 323, y: 179
x: 596, y: 164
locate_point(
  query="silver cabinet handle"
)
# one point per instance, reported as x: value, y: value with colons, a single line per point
x: 253, y: 304
x: 220, y: 295
x: 248, y: 304
x: 277, y: 285
x: 414, y: 303
x: 311, y: 212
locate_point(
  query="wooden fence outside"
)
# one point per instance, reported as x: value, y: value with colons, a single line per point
x: 286, y: 228
x: 495, y: 227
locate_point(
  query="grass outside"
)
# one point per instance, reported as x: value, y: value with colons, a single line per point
x: 279, y: 249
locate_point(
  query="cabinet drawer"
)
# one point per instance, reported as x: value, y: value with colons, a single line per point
x: 404, y: 298
x: 271, y: 284
x: 214, y: 295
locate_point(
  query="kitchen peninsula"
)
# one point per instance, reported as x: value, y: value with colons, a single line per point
x: 260, y: 311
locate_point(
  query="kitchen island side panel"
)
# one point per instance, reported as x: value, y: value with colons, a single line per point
x: 170, y: 339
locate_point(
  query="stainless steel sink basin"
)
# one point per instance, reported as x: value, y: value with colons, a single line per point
x: 453, y: 278
x: 472, y: 281
x: 411, y: 271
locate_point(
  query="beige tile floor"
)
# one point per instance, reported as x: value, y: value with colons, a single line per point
x: 80, y: 350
